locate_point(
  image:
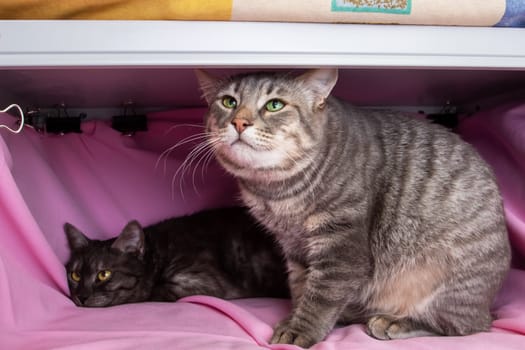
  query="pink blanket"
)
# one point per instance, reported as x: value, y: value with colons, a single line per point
x: 99, y: 180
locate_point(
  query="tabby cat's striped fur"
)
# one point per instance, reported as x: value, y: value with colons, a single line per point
x: 383, y: 218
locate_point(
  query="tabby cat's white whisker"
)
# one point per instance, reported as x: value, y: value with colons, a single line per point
x: 191, y: 138
x: 209, y: 157
x: 203, y: 150
x: 170, y: 129
x: 199, y: 150
x: 195, y: 152
x: 184, y: 141
x: 166, y: 152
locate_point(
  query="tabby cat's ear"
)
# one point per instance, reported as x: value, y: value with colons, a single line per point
x: 75, y: 238
x: 131, y: 239
x: 321, y: 82
x: 208, y: 85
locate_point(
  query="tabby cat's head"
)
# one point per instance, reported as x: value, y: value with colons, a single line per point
x: 266, y: 121
x: 110, y: 272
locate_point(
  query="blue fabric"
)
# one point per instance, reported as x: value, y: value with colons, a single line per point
x: 514, y: 14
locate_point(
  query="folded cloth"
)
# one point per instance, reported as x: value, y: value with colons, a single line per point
x: 422, y: 12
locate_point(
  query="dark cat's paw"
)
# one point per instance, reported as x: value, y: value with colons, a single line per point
x: 285, y: 333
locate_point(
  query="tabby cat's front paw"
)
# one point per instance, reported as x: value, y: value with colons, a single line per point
x: 385, y: 328
x: 284, y: 333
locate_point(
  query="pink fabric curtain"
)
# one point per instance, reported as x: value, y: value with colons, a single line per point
x: 100, y: 179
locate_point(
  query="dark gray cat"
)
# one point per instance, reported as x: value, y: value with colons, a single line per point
x: 222, y: 253
x: 383, y: 218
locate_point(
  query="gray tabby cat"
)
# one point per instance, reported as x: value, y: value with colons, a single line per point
x: 383, y: 218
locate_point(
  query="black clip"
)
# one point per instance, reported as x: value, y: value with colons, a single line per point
x: 36, y: 119
x: 64, y: 124
x: 448, y: 116
x: 129, y: 124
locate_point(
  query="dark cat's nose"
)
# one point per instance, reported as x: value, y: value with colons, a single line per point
x: 82, y: 299
x: 241, y: 124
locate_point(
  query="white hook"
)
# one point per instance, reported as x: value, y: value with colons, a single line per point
x: 21, y: 126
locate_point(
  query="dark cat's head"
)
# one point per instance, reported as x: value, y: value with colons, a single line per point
x: 266, y: 120
x: 110, y: 272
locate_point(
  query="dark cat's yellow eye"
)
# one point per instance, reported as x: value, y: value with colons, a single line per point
x: 274, y: 105
x: 229, y: 102
x: 75, y: 276
x: 104, y: 275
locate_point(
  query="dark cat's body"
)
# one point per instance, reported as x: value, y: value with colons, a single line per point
x: 383, y: 218
x: 221, y: 253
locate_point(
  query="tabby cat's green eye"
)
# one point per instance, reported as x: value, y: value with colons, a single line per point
x: 229, y: 102
x: 75, y: 276
x: 104, y: 275
x: 274, y: 105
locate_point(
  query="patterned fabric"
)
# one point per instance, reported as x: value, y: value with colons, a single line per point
x: 386, y: 6
x: 508, y: 13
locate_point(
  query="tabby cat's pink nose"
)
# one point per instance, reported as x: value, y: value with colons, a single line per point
x: 241, y: 124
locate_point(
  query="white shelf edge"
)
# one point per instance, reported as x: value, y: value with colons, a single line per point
x: 113, y: 44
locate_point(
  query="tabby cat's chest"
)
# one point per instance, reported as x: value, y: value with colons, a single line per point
x: 289, y: 221
x: 278, y: 215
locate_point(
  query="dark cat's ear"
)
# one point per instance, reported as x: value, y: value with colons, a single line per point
x: 321, y: 82
x: 75, y: 238
x: 131, y: 239
x: 208, y: 84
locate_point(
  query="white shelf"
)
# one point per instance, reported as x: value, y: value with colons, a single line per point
x: 40, y: 44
